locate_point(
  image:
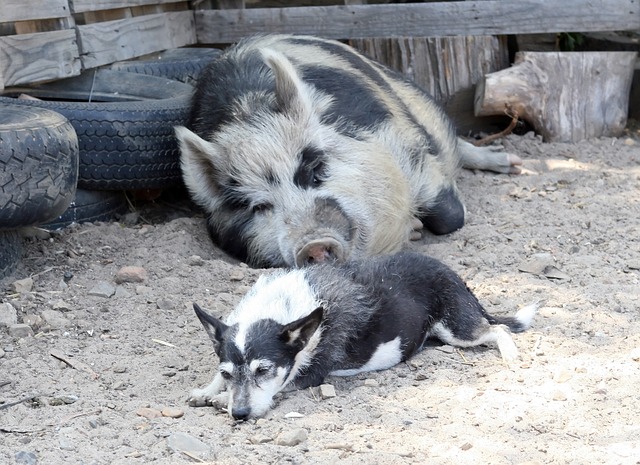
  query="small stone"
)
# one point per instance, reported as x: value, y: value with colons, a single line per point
x: 629, y: 141
x: 54, y: 319
x: 292, y: 438
x: 148, y: 413
x: 559, y: 395
x: 22, y: 286
x: 370, y: 382
x: 182, y: 442
x: 61, y: 305
x: 172, y: 412
x: 562, y: 376
x: 120, y: 369
x: 20, y: 330
x: 2, y: 353
x: 26, y: 458
x: 326, y: 391
x: 195, y: 260
x: 260, y: 439
x: 119, y: 386
x: 8, y: 315
x: 466, y: 446
x: 236, y: 275
x: 165, y: 304
x: 34, y: 321
x: 339, y: 445
x: 143, y: 290
x: 294, y: 415
x: 131, y: 274
x: 121, y: 293
x: 64, y: 399
x: 102, y: 289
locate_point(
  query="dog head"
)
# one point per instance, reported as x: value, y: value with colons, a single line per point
x: 259, y: 359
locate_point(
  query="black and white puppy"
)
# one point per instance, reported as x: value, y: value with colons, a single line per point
x: 293, y: 328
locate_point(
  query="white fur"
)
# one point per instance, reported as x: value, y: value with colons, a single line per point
x: 385, y: 356
x: 494, y: 334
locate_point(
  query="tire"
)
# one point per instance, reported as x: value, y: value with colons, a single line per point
x: 10, y: 251
x: 38, y: 165
x: 124, y: 123
x: 179, y: 64
x: 90, y: 206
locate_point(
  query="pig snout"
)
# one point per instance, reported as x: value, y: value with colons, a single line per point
x: 320, y: 251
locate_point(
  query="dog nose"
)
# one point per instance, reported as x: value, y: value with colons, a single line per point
x: 241, y: 413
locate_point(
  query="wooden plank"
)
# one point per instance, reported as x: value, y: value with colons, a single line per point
x: 489, y: 17
x: 82, y: 6
x: 24, y: 10
x: 103, y: 43
x: 39, y: 57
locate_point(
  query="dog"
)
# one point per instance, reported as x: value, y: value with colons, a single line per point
x: 295, y: 327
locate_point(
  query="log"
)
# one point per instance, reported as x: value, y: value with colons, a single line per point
x: 565, y: 96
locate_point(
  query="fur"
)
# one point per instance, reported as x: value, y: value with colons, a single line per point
x: 296, y: 327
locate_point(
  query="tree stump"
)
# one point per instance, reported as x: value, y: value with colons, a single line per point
x: 565, y: 96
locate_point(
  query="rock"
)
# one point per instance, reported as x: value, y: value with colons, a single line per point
x: 182, y: 442
x: 542, y: 265
x: 20, y: 330
x: 120, y: 369
x: 292, y: 438
x: 35, y: 321
x: 236, y: 275
x: 22, y: 286
x: 64, y: 399
x: 8, y: 315
x: 195, y: 260
x: 326, y: 391
x: 165, y: 304
x: 559, y: 395
x: 172, y: 412
x: 148, y: 413
x: 2, y: 352
x: 54, y: 319
x: 119, y: 386
x: 26, y: 458
x: 102, y: 289
x: 260, y: 439
x: 294, y: 415
x: 121, y: 293
x: 61, y: 305
x: 466, y: 446
x: 339, y: 446
x: 369, y: 382
x: 562, y: 375
x: 131, y: 274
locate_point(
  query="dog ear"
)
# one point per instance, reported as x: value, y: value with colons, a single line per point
x: 297, y: 333
x: 215, y: 327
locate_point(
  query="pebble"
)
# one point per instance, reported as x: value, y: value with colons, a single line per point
x: 183, y: 442
x: 340, y: 446
x: 121, y: 293
x: 20, y: 330
x: 559, y: 395
x: 22, y: 286
x: 26, y: 458
x: 172, y: 412
x: 196, y: 260
x: 119, y: 386
x: 61, y: 305
x: 294, y: 415
x: 2, y: 353
x: 102, y: 289
x: 326, y: 391
x: 148, y: 413
x: 165, y: 304
x: 562, y: 375
x: 120, y: 369
x: 8, y: 315
x: 292, y: 438
x: 32, y: 320
x: 54, y: 319
x: 64, y: 399
x: 260, y: 439
x: 370, y: 382
x: 131, y: 274
x: 236, y: 275
x: 466, y: 446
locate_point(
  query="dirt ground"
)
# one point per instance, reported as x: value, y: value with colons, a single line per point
x: 106, y: 358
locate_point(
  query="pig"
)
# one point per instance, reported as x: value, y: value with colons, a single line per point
x: 301, y: 150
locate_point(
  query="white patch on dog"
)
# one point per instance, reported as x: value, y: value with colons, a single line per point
x: 385, y: 356
x: 525, y: 315
x: 494, y: 334
x: 262, y: 391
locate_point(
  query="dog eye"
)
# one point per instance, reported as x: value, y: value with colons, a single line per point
x: 262, y: 208
x: 261, y: 371
x: 226, y: 375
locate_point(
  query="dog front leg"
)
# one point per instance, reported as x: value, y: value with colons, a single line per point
x: 210, y: 395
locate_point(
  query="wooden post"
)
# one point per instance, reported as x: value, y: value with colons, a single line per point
x: 565, y: 96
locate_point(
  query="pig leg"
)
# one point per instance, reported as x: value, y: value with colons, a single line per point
x: 484, y: 158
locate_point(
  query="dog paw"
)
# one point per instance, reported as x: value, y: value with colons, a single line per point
x: 203, y: 398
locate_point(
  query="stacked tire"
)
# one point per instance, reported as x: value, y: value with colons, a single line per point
x: 70, y: 151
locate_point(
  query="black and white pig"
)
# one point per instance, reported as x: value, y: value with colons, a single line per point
x: 302, y: 150
x: 294, y: 328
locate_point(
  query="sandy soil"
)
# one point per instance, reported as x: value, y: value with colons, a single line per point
x: 97, y: 367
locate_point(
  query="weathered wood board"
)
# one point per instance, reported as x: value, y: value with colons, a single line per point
x: 82, y: 6
x: 25, y: 10
x: 106, y: 42
x: 436, y: 19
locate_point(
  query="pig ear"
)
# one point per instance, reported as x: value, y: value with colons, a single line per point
x: 215, y: 327
x: 291, y: 97
x: 299, y: 332
x: 198, y: 160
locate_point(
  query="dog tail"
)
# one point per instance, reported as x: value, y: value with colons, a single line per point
x: 519, y: 322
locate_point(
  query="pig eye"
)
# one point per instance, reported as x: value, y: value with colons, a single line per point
x: 261, y: 207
